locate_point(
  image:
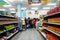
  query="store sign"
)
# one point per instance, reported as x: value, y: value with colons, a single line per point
x: 2, y: 2
x: 44, y: 1
x: 33, y: 1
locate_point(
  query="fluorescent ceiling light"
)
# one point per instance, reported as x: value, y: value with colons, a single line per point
x: 2, y: 10
x: 6, y: 1
x: 11, y: 0
x: 36, y: 4
x: 46, y: 8
x: 12, y: 8
x: 7, y: 5
x: 21, y: 0
x: 51, y: 4
x: 23, y: 8
x: 35, y: 8
x: 13, y: 12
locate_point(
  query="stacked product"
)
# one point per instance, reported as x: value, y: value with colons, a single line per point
x: 52, y: 11
x: 52, y: 24
x: 9, y: 27
x: 50, y: 36
x: 54, y: 29
x: 54, y: 20
x: 41, y: 20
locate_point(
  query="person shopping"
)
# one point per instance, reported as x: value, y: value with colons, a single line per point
x: 23, y: 24
x: 37, y: 24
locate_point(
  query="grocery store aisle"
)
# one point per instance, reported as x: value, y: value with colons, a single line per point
x: 29, y: 34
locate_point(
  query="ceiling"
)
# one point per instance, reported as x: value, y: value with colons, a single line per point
x: 12, y: 4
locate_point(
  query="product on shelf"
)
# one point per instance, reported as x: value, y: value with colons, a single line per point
x: 54, y: 20
x: 9, y: 27
x: 51, y: 37
x: 53, y: 11
x: 8, y: 34
x: 41, y: 21
x: 16, y: 24
x: 54, y: 29
x: 40, y: 29
x: 45, y: 31
x: 2, y: 37
x: 45, y: 25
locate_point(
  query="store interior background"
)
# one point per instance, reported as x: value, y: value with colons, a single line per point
x: 42, y: 8
x: 15, y: 10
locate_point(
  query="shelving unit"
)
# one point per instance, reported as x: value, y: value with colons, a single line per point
x: 7, y: 21
x: 2, y: 31
x: 52, y: 14
x: 52, y: 31
x: 52, y: 24
x: 41, y: 32
x: 5, y: 31
x: 6, y: 16
x: 12, y: 35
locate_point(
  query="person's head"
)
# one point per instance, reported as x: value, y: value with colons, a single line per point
x: 38, y: 19
x: 28, y: 17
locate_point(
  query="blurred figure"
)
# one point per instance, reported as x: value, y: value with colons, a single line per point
x: 23, y: 23
x: 34, y: 22
x: 37, y: 24
x: 27, y: 22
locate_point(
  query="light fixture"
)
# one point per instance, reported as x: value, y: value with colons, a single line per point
x: 12, y: 8
x: 13, y: 12
x: 46, y: 7
x: 36, y: 4
x: 23, y: 8
x: 7, y: 5
x: 10, y: 0
x: 2, y: 9
x: 51, y: 4
x: 6, y: 1
x: 20, y: 0
x: 34, y: 8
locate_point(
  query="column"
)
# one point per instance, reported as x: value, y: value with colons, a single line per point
x: 19, y: 14
x: 24, y: 13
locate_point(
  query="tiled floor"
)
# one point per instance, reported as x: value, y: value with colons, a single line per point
x: 29, y: 34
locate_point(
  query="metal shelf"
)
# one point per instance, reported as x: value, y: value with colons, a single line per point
x: 7, y: 16
x: 8, y: 22
x: 52, y: 14
x: 43, y: 34
x: 7, y: 19
x: 52, y: 23
x: 2, y: 31
x: 51, y: 31
x: 5, y: 31
x: 12, y: 34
